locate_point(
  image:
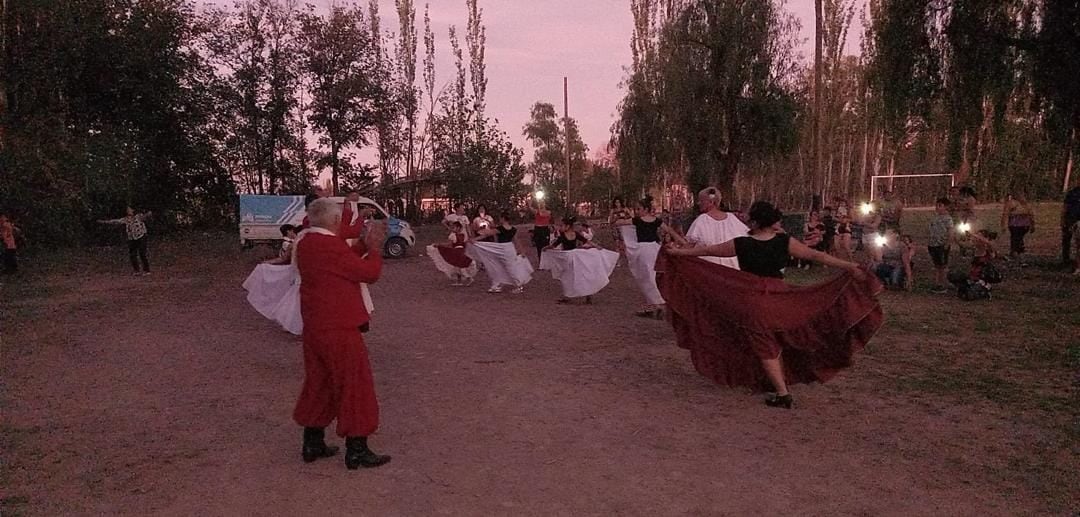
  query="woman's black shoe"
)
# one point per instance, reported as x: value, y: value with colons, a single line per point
x: 784, y: 401
x: 315, y: 445
x: 357, y: 454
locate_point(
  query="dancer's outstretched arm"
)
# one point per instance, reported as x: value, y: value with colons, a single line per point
x: 803, y: 252
x: 726, y: 249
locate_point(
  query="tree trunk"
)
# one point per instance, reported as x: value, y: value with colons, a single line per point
x: 816, y: 138
x: 1069, y: 162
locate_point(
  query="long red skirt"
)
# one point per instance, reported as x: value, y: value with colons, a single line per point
x: 455, y: 256
x: 730, y: 320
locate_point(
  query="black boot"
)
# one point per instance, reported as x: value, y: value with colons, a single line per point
x: 784, y: 401
x: 357, y: 454
x: 315, y: 445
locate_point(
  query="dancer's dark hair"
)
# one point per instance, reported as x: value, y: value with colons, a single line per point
x: 286, y: 228
x: 763, y: 214
x: 505, y: 216
x: 647, y: 203
x: 619, y: 200
x: 569, y: 220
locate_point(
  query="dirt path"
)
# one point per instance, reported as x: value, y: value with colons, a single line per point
x: 170, y: 395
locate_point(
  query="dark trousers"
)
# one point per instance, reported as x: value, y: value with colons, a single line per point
x: 1016, y: 238
x: 1066, y: 241
x: 137, y: 253
x: 11, y: 262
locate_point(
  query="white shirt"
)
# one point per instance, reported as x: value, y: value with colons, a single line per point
x: 463, y: 219
x: 706, y: 231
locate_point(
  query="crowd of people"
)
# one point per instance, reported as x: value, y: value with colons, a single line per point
x: 720, y: 284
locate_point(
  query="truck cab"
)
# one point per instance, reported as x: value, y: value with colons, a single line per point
x: 261, y: 217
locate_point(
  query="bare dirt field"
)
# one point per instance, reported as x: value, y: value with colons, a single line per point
x: 169, y: 395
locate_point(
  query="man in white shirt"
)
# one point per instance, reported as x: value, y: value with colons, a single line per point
x: 715, y: 226
x: 460, y: 217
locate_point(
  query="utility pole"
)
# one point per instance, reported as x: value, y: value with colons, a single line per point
x: 566, y: 131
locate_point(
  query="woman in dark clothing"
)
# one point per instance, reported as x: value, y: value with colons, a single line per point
x: 765, y: 253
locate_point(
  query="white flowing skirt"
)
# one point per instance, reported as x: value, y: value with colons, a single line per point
x: 581, y: 272
x: 641, y: 257
x: 501, y: 262
x: 446, y: 268
x: 274, y: 291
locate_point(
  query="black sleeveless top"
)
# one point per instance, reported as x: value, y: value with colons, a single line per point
x: 570, y: 244
x: 646, y: 231
x: 763, y: 258
x: 505, y: 235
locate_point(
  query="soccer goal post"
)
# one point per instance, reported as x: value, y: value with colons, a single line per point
x: 875, y: 180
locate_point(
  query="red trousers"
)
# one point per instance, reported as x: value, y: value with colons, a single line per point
x: 337, y: 383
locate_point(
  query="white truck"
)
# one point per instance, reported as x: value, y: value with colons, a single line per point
x: 261, y: 217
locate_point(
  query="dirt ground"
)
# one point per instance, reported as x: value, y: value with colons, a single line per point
x: 169, y: 395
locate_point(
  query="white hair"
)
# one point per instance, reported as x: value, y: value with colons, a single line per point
x: 711, y: 193
x: 324, y: 213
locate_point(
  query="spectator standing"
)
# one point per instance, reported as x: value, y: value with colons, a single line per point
x: 8, y: 230
x: 135, y: 227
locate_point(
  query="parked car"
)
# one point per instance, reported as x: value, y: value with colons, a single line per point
x: 261, y: 217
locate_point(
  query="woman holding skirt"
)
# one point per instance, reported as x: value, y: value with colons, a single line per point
x: 641, y: 238
x: 451, y: 259
x: 502, y: 260
x: 748, y: 328
x: 274, y: 286
x: 581, y: 268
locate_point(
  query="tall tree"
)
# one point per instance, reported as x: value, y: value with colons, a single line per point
x: 476, y: 39
x: 340, y: 56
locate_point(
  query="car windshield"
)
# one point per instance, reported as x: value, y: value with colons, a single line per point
x: 378, y: 214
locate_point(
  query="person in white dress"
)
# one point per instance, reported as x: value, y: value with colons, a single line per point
x: 502, y: 260
x: 715, y: 226
x: 642, y: 237
x: 274, y: 286
x: 581, y: 268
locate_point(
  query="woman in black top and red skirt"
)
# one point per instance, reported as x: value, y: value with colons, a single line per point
x: 746, y: 328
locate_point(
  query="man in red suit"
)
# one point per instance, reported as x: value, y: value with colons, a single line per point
x: 337, y: 375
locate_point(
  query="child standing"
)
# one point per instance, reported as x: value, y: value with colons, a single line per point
x: 937, y: 244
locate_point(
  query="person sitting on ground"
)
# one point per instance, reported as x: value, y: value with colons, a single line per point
x: 975, y: 284
x: 288, y: 238
x: 813, y: 236
x: 937, y: 244
x: 891, y: 260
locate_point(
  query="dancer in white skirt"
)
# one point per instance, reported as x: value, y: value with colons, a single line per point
x: 502, y: 260
x: 581, y: 268
x: 274, y: 286
x: 642, y: 237
x: 451, y: 260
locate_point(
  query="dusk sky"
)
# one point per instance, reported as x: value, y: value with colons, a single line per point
x: 532, y: 44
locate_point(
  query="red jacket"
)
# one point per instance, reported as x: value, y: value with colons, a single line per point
x: 349, y: 231
x: 330, y: 276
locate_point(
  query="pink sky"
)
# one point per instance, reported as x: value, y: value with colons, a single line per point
x: 532, y: 44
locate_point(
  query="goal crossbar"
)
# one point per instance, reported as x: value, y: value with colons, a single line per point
x: 873, y: 180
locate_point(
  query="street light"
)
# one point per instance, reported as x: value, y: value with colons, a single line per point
x: 539, y: 195
x: 867, y: 208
